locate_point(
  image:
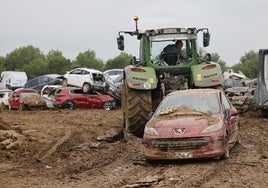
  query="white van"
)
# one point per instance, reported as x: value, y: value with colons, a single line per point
x: 12, y: 79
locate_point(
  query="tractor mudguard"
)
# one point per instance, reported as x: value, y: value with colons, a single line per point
x: 207, y: 75
x: 141, y: 78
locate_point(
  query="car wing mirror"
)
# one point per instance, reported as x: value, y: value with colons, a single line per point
x: 231, y: 113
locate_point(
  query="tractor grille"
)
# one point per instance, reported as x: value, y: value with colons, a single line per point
x: 180, y: 144
x: 174, y: 78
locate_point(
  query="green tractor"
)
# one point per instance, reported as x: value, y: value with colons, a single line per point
x: 160, y: 70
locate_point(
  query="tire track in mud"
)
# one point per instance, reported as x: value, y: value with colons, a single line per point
x: 247, y: 165
x: 122, y: 169
x: 128, y: 171
x: 131, y: 169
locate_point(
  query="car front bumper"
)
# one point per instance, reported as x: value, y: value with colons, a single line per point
x: 211, y: 150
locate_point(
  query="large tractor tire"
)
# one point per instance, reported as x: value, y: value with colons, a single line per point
x: 136, y: 106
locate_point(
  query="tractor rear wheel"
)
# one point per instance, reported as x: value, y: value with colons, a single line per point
x: 136, y: 106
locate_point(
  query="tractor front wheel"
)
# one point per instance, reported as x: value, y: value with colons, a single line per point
x: 136, y: 106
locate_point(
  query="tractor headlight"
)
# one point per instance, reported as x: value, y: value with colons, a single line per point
x: 213, y: 128
x: 147, y: 85
x: 150, y: 131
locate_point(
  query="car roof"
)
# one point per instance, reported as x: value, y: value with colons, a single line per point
x: 113, y: 70
x: 48, y: 75
x: 25, y: 90
x: 5, y: 90
x: 52, y: 75
x: 88, y: 69
x: 194, y: 91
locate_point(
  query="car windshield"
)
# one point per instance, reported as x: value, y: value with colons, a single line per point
x: 29, y: 95
x: 203, y: 102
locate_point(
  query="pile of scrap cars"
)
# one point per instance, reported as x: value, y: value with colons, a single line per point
x: 78, y: 88
x: 240, y: 90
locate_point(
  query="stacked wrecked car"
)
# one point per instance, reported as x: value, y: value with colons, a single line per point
x: 78, y: 88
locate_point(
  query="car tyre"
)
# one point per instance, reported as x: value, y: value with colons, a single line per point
x: 70, y: 105
x: 86, y: 88
x: 21, y: 107
x: 107, y: 106
x: 64, y: 82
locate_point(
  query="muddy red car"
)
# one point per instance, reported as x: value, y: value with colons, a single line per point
x: 72, y: 98
x: 197, y: 123
x: 26, y: 98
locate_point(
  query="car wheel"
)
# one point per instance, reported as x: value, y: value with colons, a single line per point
x: 86, y: 88
x: 64, y: 82
x: 70, y: 105
x: 107, y: 106
x: 21, y: 107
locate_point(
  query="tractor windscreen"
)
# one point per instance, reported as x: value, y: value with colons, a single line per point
x: 167, y: 51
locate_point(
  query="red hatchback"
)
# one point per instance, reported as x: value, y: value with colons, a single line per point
x: 72, y: 98
x: 197, y: 123
x: 26, y: 98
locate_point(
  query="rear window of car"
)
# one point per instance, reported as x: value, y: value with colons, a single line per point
x: 29, y: 95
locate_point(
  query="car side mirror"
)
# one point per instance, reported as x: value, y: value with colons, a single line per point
x: 230, y: 113
x: 233, y: 112
x: 120, y: 42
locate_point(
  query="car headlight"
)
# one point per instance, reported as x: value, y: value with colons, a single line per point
x: 213, y: 128
x: 150, y: 131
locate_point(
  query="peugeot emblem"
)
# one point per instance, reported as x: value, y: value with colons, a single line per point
x: 179, y: 131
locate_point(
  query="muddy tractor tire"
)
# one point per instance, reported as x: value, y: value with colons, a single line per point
x: 136, y: 106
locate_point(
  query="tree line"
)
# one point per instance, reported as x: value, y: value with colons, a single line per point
x: 35, y: 63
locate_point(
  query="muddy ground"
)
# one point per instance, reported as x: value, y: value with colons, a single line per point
x: 84, y: 148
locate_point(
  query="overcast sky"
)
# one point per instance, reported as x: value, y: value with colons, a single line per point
x: 73, y: 26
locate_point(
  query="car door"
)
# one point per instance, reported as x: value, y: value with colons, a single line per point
x: 79, y: 98
x: 84, y: 77
x: 14, y: 100
x: 74, y: 76
x: 93, y: 100
x: 231, y: 118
